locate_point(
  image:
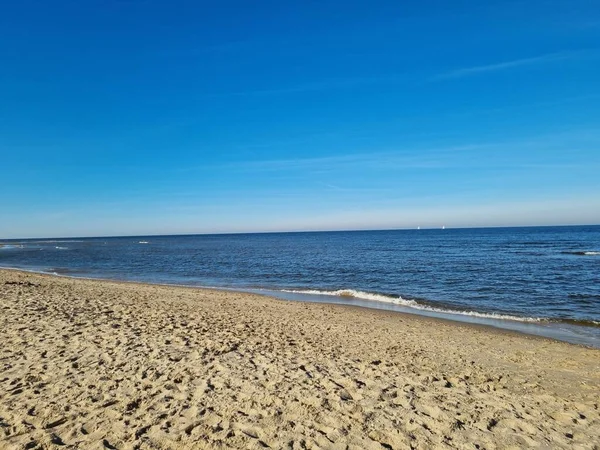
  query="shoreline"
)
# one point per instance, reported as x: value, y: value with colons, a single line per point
x: 111, y: 364
x: 384, y: 312
x: 500, y: 325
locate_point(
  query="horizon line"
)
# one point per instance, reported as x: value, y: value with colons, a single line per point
x: 350, y: 230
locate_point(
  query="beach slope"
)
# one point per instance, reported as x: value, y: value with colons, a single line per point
x: 99, y: 364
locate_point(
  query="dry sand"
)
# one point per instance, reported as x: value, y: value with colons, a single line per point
x: 97, y: 364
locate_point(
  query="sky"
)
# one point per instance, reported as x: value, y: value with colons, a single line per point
x: 136, y: 117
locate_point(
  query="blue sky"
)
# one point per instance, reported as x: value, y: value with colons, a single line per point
x: 145, y: 117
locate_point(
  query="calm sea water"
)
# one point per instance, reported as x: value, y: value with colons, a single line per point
x: 543, y: 280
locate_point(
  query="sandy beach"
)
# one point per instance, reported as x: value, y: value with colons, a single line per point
x: 99, y: 364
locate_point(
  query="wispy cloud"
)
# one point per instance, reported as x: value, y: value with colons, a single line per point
x: 432, y: 158
x: 427, y: 158
x: 368, y: 81
x: 354, y: 190
x: 506, y: 65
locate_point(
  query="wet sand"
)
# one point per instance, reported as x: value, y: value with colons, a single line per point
x: 99, y: 364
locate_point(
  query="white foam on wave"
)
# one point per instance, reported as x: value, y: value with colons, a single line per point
x: 592, y: 253
x: 143, y: 242
x: 351, y: 293
x: 61, y: 248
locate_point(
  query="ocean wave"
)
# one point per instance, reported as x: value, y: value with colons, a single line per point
x: 581, y: 322
x: 409, y: 303
x: 584, y: 297
x: 54, y: 241
x: 583, y: 253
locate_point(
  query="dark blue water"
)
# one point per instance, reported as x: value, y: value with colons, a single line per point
x: 543, y: 280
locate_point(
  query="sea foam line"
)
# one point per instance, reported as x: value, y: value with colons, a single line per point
x: 397, y: 300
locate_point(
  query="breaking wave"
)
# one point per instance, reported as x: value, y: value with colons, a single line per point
x: 409, y: 303
x: 583, y: 253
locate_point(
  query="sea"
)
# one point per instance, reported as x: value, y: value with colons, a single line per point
x: 537, y: 280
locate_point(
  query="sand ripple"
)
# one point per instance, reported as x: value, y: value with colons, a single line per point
x: 102, y: 365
